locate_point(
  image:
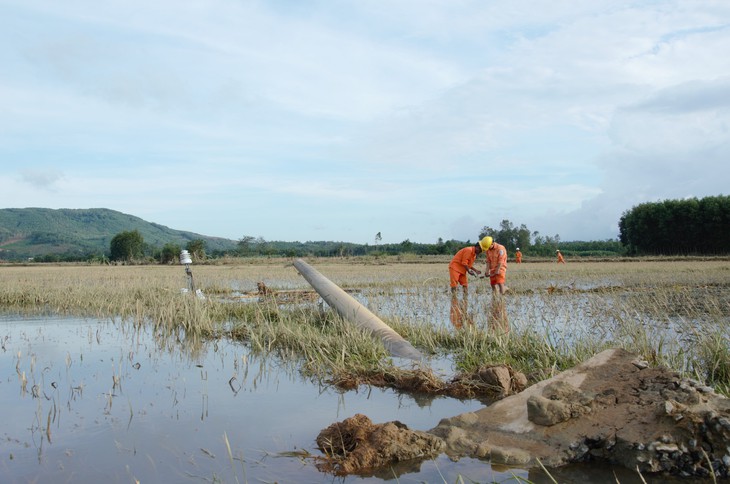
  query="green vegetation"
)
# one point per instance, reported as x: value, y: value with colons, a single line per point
x: 690, y: 226
x: 535, y: 245
x: 127, y: 246
x: 541, y: 248
x: 46, y: 235
x: 169, y: 253
x: 78, y: 235
x: 684, y: 227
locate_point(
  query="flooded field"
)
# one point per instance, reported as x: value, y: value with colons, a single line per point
x: 92, y: 398
x: 92, y: 401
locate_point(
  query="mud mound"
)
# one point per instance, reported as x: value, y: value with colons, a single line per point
x: 497, y: 381
x: 612, y: 407
x: 490, y: 382
x: 356, y: 445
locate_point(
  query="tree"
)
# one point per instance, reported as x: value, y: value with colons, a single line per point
x: 671, y: 227
x: 523, y: 237
x: 544, y: 246
x: 441, y: 247
x: 262, y: 247
x: 714, y: 232
x: 378, y: 238
x: 509, y: 235
x: 126, y: 246
x: 196, y: 247
x: 244, y: 245
x: 170, y: 253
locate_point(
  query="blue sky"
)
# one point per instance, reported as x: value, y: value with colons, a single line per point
x: 336, y: 120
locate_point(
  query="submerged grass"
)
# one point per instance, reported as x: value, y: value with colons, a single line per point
x: 674, y: 313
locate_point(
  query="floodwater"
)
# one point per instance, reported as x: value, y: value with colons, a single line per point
x: 561, y: 318
x: 91, y: 401
x: 85, y: 400
x: 102, y: 401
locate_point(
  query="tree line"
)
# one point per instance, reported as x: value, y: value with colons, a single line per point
x: 130, y: 247
x: 671, y: 227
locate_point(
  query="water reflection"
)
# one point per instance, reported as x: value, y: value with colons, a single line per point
x: 88, y: 400
x: 563, y: 315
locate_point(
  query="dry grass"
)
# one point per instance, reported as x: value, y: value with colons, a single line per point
x: 671, y: 312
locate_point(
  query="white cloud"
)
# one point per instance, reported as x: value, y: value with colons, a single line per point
x: 41, y: 178
x: 456, y: 113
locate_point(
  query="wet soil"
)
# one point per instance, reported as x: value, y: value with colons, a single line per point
x: 612, y: 408
x: 488, y: 383
x: 357, y: 445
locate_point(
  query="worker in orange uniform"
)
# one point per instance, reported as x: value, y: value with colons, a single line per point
x: 497, y: 273
x: 561, y: 259
x: 518, y: 256
x: 461, y: 265
x: 496, y: 264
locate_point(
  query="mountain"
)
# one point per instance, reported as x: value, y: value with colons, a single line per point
x: 33, y: 232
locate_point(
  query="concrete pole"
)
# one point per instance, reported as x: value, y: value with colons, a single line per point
x: 350, y: 310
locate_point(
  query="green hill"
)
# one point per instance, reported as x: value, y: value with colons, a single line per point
x: 33, y: 232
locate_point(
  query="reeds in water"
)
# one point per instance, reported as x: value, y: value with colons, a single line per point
x: 671, y: 313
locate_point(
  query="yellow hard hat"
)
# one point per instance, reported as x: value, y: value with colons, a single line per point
x: 486, y: 243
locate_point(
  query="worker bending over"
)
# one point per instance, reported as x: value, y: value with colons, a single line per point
x: 461, y: 265
x: 496, y: 264
x: 497, y: 273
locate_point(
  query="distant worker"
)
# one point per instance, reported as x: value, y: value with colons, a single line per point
x: 518, y: 256
x: 497, y: 273
x: 561, y: 259
x: 461, y: 265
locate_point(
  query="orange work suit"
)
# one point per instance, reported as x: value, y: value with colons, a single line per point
x: 495, y: 255
x: 518, y: 257
x: 561, y: 260
x: 463, y: 260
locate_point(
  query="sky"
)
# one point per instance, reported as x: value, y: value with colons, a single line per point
x: 338, y: 120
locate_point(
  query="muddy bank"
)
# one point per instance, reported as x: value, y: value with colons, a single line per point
x: 489, y: 382
x: 611, y: 408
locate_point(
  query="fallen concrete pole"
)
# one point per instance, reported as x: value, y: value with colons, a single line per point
x: 351, y: 310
